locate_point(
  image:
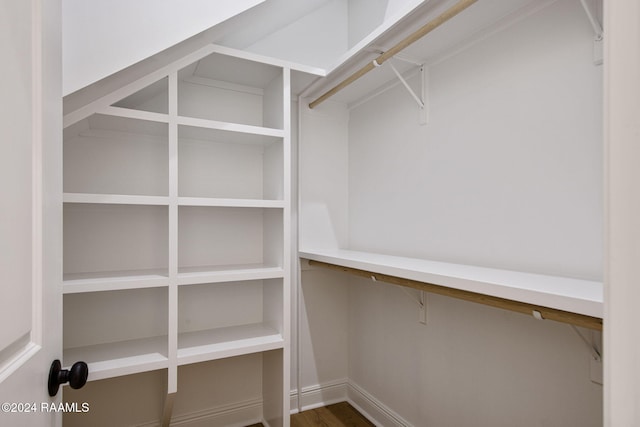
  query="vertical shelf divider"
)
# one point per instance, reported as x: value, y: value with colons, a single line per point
x: 286, y: 240
x: 172, y: 339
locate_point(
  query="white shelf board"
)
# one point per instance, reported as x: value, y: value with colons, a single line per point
x: 230, y: 203
x: 227, y: 273
x: 561, y: 293
x: 130, y: 113
x: 115, y: 199
x: 277, y: 62
x: 230, y: 127
x: 120, y: 358
x: 200, y: 346
x: 114, y: 280
x: 187, y: 133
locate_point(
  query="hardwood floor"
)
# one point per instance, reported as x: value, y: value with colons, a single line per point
x: 337, y: 415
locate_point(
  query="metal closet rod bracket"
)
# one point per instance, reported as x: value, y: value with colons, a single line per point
x: 420, y: 100
x: 598, y: 51
x: 597, y: 27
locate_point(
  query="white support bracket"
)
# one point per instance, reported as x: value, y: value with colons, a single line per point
x: 597, y: 28
x: 422, y: 304
x: 595, y: 353
x: 420, y: 100
x: 595, y: 362
x: 421, y: 300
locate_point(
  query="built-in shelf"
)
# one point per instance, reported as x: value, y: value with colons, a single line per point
x: 114, y: 280
x: 115, y: 199
x: 176, y: 205
x: 200, y: 346
x: 122, y: 199
x: 582, y: 297
x: 230, y: 203
x: 227, y: 273
x: 230, y: 133
x: 230, y: 127
x: 129, y: 113
x: 121, y: 358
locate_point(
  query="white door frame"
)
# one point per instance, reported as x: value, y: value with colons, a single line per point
x: 622, y: 213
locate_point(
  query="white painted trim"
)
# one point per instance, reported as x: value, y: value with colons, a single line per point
x: 373, y: 409
x: 37, y: 167
x: 622, y: 205
x: 287, y: 251
x: 319, y: 395
x: 17, y: 359
x: 172, y: 318
x: 237, y: 414
x: 345, y: 390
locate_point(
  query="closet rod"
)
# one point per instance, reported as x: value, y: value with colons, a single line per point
x: 413, y: 37
x: 505, y: 304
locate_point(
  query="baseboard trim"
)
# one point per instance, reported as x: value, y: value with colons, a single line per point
x: 238, y: 414
x: 346, y: 390
x: 372, y: 408
x: 247, y: 412
x: 319, y: 395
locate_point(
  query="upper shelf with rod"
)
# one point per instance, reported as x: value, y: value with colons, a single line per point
x: 433, y: 32
x: 407, y: 41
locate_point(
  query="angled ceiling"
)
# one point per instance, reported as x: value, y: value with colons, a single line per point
x: 101, y: 38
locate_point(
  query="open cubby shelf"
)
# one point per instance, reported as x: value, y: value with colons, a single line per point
x: 200, y: 346
x: 176, y: 210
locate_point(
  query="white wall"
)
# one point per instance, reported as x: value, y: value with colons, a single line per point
x: 100, y: 38
x: 323, y: 192
x: 324, y: 339
x: 507, y: 174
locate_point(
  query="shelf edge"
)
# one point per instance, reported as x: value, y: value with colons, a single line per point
x: 588, y: 314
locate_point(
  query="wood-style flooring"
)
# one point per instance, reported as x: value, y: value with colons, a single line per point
x: 337, y: 415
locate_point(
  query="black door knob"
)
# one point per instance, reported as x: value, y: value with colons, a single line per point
x: 76, y: 376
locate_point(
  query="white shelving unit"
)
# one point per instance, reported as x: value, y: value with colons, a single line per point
x: 176, y: 238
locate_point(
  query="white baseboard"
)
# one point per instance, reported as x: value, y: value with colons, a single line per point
x: 345, y: 390
x: 373, y: 409
x: 240, y: 414
x: 237, y: 414
x: 319, y: 395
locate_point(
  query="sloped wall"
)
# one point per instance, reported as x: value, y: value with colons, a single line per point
x: 100, y: 38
